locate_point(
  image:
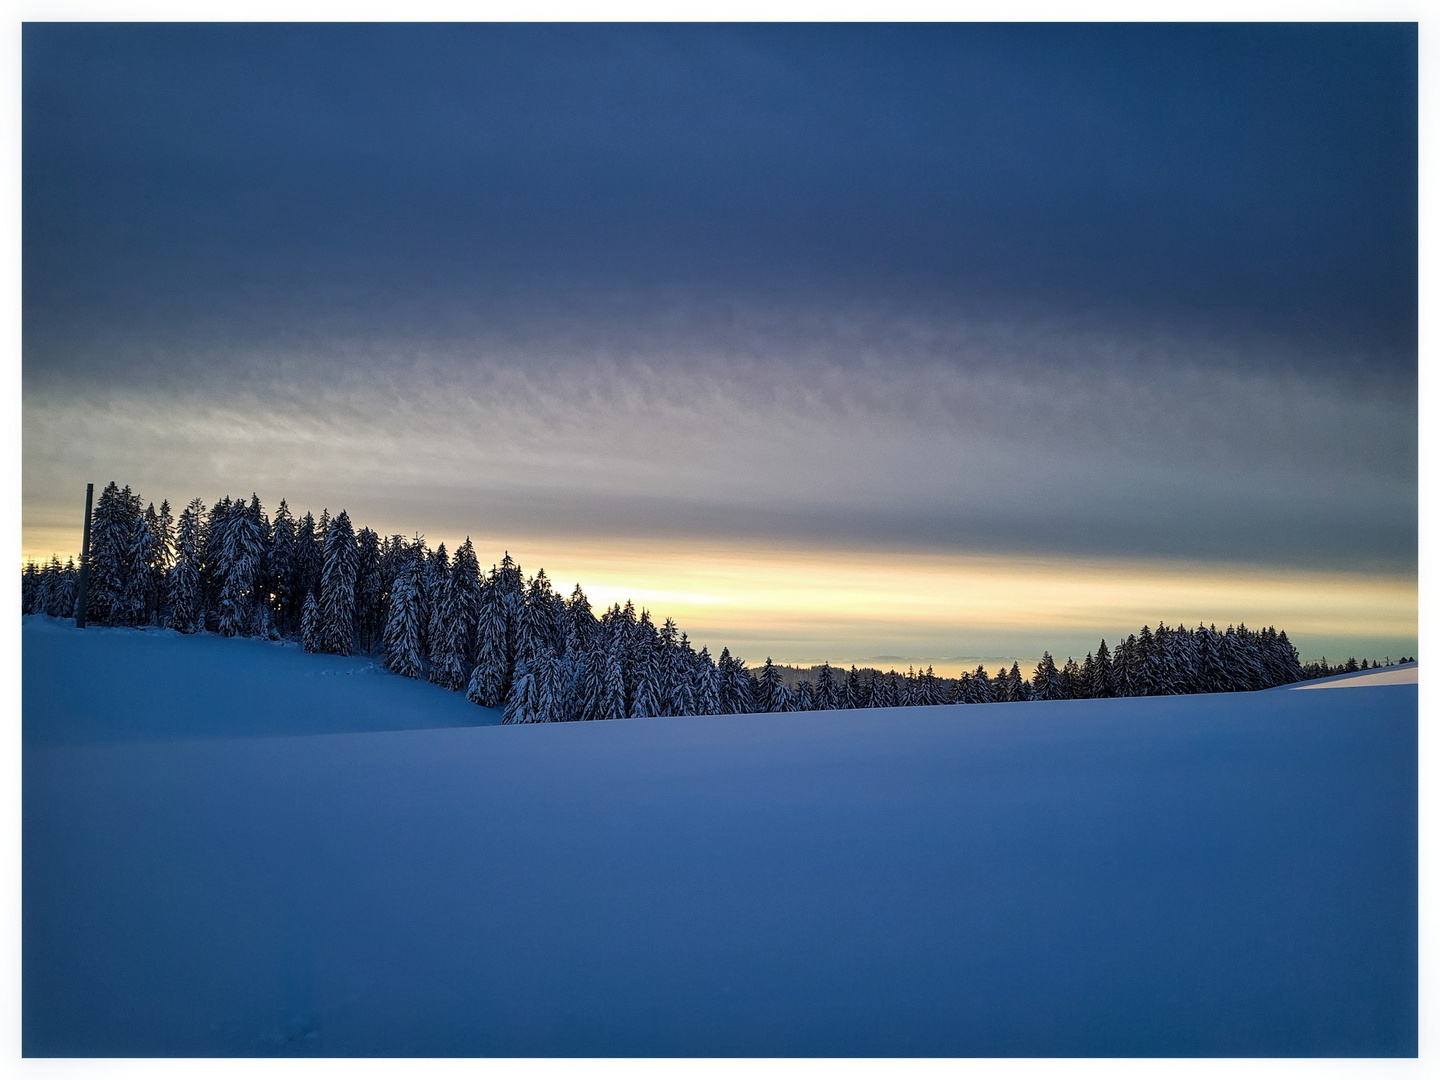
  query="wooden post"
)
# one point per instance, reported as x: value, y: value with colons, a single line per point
x: 84, y: 562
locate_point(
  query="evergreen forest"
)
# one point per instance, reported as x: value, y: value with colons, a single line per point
x: 512, y: 642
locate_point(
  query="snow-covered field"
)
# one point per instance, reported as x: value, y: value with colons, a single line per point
x: 231, y: 847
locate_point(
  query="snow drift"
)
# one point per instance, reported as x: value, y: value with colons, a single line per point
x: 231, y: 848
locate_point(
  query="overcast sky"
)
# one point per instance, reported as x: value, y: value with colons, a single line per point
x: 1058, y: 293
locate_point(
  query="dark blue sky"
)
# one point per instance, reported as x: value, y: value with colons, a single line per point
x: 1240, y: 177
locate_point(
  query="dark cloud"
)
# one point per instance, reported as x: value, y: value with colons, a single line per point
x: 243, y: 179
x: 1126, y: 290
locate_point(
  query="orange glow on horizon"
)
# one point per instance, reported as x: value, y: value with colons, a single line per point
x: 802, y: 604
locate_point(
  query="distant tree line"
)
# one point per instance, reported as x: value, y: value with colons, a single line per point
x: 511, y: 642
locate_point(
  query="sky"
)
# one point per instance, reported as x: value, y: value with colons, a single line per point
x: 925, y: 342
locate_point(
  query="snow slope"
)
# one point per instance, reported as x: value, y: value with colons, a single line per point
x: 1399, y: 674
x: 1216, y: 875
x: 105, y: 684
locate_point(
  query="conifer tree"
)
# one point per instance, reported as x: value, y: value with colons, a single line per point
x: 983, y: 692
x: 521, y: 706
x: 1103, y: 677
x: 771, y: 688
x: 647, y: 692
x: 404, y: 653
x: 46, y: 577
x: 616, y: 704
x: 309, y: 562
x: 579, y: 623
x: 437, y: 581
x: 186, y: 611
x: 734, y: 686
x: 283, y: 569
x: 370, y: 621
x: 855, y: 691
x: 884, y: 690
x: 490, y: 680
x: 802, y: 699
x: 65, y: 600
x: 460, y: 610
x: 827, y: 694
x: 311, y: 632
x: 1045, y: 685
x: 135, y: 600
x: 29, y: 583
x: 337, y: 588
x: 110, y: 530
x: 1072, y: 679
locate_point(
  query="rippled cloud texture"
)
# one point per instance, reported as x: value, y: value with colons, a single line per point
x: 1095, y: 297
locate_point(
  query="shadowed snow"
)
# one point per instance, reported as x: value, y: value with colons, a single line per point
x: 1227, y: 874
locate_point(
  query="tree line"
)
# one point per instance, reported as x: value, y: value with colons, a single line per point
x: 512, y: 642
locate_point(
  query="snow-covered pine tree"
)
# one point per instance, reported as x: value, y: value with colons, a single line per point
x: 46, y: 581
x: 1151, y: 674
x: 1017, y: 681
x: 908, y: 688
x: 802, y: 699
x: 1233, y: 659
x: 1102, y: 683
x: 242, y: 545
x: 134, y: 605
x: 1072, y: 679
x: 580, y: 623
x: 1002, y: 687
x: 1136, y: 664
x: 65, y: 598
x: 213, y: 567
x: 1045, y: 686
x: 666, y: 668
x: 734, y: 684
x: 110, y: 529
x: 1210, y: 661
x: 29, y: 589
x: 981, y: 688
x: 588, y: 691
x: 461, y: 604
x: 509, y: 582
x: 337, y: 587
x: 162, y: 545
x: 261, y: 612
x: 283, y: 570
x: 1291, y: 659
x: 370, y: 593
x: 616, y: 704
x: 490, y: 680
x: 1180, y: 660
x: 404, y: 653
x: 929, y: 688
x: 309, y: 562
x: 537, y: 631
x: 856, y: 696
x: 234, y: 613
x: 683, y: 689
x: 827, y: 695
x: 183, y: 582
x: 712, y: 687
x: 553, y: 677
x: 771, y: 688
x: 885, y: 690
x: 521, y: 706
x: 311, y: 632
x: 437, y: 581
x: 647, y: 687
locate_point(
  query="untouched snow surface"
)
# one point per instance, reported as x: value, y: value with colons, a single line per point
x: 225, y: 852
x: 1390, y: 676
